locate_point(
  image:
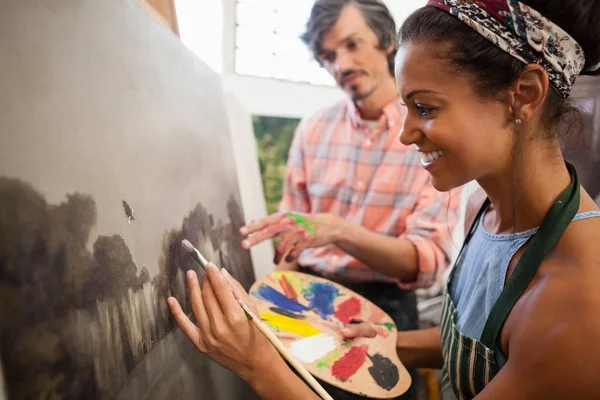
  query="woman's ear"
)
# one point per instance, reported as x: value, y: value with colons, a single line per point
x: 529, y: 92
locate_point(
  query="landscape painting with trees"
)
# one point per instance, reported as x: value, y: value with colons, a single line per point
x: 83, y: 319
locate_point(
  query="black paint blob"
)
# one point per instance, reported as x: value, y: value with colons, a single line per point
x: 287, y: 313
x: 384, y: 371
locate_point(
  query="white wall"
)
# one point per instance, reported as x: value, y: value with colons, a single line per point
x: 261, y: 96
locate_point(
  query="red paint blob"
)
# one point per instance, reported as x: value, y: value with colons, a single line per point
x: 347, y: 310
x: 346, y: 366
x: 287, y: 288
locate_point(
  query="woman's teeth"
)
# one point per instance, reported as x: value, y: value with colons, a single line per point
x: 429, y: 157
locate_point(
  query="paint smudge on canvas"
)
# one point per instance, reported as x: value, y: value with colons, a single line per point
x: 271, y: 295
x: 321, y: 296
x: 347, y: 310
x: 346, y: 366
x: 313, y: 348
x: 292, y: 325
x: 384, y: 372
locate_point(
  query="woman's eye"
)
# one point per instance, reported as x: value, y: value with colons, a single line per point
x: 423, y: 110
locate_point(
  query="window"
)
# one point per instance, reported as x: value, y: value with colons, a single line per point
x: 199, y: 20
x: 268, y: 41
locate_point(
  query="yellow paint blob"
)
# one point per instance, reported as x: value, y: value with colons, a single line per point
x: 283, y: 323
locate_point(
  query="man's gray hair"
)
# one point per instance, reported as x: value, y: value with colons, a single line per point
x: 325, y: 14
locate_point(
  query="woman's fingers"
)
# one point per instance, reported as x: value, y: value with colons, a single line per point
x: 198, y: 305
x: 239, y: 289
x: 187, y: 326
x: 224, y: 303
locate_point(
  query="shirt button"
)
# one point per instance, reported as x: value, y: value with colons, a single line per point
x: 368, y: 143
x: 360, y: 184
x: 392, y: 124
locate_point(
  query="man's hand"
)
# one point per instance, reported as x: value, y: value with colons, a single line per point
x: 362, y: 329
x: 297, y: 231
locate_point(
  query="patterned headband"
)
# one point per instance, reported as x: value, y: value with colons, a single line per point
x: 523, y: 33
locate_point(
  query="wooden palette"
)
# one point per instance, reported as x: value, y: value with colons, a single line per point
x: 306, y: 313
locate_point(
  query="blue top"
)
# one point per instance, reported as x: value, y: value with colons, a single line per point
x: 480, y: 273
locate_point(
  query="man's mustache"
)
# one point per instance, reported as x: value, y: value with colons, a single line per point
x: 346, y: 74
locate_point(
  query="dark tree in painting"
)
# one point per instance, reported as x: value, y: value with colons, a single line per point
x: 73, y: 322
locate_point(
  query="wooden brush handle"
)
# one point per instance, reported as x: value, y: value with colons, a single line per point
x: 285, y: 353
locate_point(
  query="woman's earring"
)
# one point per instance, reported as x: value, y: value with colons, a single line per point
x: 518, y: 121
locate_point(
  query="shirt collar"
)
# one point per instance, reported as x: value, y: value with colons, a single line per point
x: 393, y: 113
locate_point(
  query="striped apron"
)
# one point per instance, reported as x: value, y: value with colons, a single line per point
x: 469, y: 364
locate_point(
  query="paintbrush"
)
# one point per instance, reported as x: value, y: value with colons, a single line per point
x: 264, y: 329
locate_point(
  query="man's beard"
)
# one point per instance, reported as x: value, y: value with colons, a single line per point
x: 357, y: 95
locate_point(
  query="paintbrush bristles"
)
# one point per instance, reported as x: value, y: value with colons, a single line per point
x: 187, y: 245
x: 199, y: 258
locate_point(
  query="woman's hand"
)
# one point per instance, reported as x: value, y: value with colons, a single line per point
x: 224, y: 333
x: 297, y: 231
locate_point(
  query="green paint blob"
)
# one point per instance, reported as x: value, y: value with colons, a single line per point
x: 389, y: 325
x: 328, y: 359
x: 304, y: 222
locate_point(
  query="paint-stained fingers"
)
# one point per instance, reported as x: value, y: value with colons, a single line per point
x: 255, y: 226
x: 232, y: 314
x: 358, y: 330
x: 239, y: 289
x: 300, y: 246
x: 290, y: 239
x: 268, y: 232
x: 187, y: 326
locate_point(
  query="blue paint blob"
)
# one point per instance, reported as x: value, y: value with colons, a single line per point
x: 280, y: 300
x: 321, y: 296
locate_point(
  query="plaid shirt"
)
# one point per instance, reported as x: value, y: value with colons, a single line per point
x: 338, y: 165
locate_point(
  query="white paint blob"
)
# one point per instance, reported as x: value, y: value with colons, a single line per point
x: 312, y: 348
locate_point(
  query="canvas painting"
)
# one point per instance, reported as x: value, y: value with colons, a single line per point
x: 115, y: 146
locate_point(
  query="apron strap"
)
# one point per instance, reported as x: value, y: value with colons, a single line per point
x: 551, y: 229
